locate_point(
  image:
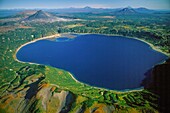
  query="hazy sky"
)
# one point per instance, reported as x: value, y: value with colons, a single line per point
x: 152, y: 4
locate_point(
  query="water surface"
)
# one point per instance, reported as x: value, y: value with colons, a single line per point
x: 111, y: 62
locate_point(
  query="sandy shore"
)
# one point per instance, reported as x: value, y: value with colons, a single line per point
x: 116, y: 91
x: 73, y: 77
x: 47, y: 37
x: 153, y: 47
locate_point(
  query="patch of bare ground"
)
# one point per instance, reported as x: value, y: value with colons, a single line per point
x: 10, y: 28
x: 10, y: 19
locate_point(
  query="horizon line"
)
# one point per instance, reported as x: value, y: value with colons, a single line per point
x: 80, y: 8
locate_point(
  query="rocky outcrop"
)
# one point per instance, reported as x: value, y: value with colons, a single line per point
x: 157, y: 81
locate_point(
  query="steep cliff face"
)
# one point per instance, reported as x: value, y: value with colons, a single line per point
x: 158, y: 82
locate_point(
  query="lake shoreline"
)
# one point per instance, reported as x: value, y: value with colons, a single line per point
x: 72, y: 76
x: 66, y: 34
x: 142, y: 40
x: 47, y: 37
x: 101, y: 88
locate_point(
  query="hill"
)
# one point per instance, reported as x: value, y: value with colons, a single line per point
x: 144, y: 10
x: 41, y: 16
x: 88, y: 9
x: 126, y: 11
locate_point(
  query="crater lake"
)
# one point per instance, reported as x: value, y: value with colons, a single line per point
x: 111, y: 62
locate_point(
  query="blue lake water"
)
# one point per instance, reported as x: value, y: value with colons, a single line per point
x: 111, y: 62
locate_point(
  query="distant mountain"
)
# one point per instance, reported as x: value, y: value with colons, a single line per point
x: 126, y: 11
x: 39, y: 15
x: 43, y: 17
x: 144, y: 10
x: 42, y: 14
x: 75, y: 10
x: 86, y: 9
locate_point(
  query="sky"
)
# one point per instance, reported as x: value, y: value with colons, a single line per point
x: 54, y: 4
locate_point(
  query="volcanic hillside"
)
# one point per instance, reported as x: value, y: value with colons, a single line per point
x: 43, y: 17
x: 126, y: 11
